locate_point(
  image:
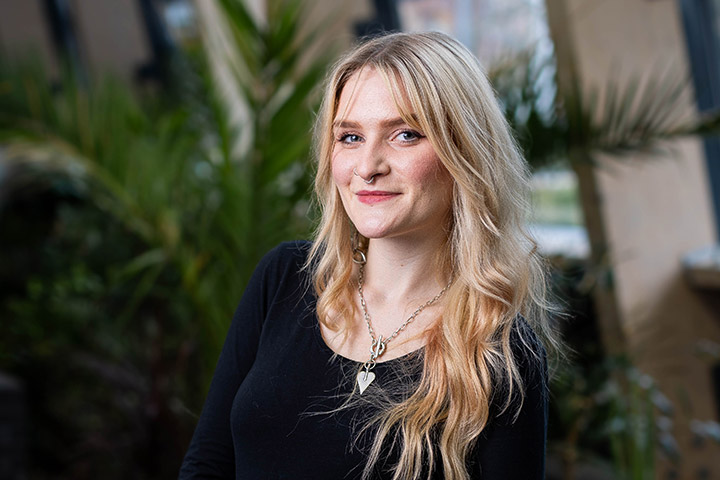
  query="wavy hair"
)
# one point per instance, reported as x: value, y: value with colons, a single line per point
x: 498, y: 277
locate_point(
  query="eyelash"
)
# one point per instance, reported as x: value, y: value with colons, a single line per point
x: 342, y: 138
x: 412, y: 132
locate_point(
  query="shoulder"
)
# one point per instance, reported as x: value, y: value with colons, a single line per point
x: 282, y: 266
x: 529, y: 353
x: 522, y: 396
x: 526, y: 346
x: 287, y: 255
x: 530, y: 360
x: 295, y: 251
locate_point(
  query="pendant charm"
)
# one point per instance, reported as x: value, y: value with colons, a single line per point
x: 377, y: 348
x: 365, y: 378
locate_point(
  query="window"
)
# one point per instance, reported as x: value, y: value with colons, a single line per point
x: 702, y: 29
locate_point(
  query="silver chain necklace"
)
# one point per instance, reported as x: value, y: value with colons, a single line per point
x: 377, y: 346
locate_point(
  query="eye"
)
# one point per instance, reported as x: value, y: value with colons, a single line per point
x: 349, y: 138
x: 408, y: 136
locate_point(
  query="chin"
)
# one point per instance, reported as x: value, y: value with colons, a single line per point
x: 371, y: 227
x: 371, y: 233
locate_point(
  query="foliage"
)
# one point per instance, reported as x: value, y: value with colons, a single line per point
x: 612, y: 415
x: 640, y: 114
x: 605, y: 414
x: 130, y: 226
x: 640, y: 423
x: 525, y: 85
x: 102, y: 389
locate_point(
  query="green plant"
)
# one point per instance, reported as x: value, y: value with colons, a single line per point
x: 613, y: 416
x: 607, y: 418
x: 130, y: 227
x: 639, y: 425
x: 577, y: 123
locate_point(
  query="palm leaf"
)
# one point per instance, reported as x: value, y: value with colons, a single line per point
x: 619, y: 118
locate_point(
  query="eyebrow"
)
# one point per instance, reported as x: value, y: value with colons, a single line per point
x: 393, y: 122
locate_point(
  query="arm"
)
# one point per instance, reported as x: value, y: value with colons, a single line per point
x: 210, y: 454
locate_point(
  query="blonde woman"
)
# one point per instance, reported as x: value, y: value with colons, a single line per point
x: 401, y: 343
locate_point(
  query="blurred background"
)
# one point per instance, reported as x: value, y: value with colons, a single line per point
x: 151, y: 151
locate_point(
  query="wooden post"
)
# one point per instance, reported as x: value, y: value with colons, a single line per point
x: 601, y: 259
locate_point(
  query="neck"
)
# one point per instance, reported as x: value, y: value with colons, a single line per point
x: 404, y: 270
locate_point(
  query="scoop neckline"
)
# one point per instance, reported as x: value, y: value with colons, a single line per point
x: 320, y: 340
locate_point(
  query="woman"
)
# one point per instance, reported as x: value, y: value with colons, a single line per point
x: 394, y: 346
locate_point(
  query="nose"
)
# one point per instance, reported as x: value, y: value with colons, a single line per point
x: 372, y: 161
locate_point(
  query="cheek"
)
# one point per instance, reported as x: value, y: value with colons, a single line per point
x: 436, y: 181
x: 340, y: 171
x: 427, y: 170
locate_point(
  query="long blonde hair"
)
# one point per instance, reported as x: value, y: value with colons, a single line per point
x: 440, y: 88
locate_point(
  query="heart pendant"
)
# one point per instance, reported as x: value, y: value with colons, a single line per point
x: 364, y: 379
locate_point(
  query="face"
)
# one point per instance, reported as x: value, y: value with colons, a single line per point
x: 391, y: 182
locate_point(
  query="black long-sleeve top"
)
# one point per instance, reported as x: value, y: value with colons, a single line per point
x: 267, y: 412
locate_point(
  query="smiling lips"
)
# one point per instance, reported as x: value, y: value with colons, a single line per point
x: 371, y: 197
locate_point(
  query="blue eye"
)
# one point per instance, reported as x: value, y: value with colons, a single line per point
x: 349, y: 138
x: 408, y: 136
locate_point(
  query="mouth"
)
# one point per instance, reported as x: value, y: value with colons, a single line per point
x: 371, y: 197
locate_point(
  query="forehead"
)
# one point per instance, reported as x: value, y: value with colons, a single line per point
x: 372, y: 91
